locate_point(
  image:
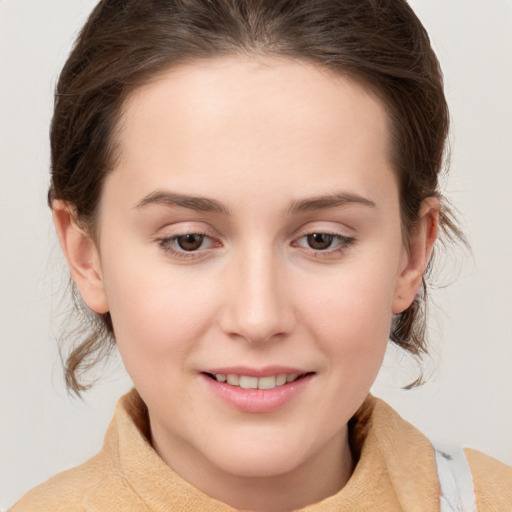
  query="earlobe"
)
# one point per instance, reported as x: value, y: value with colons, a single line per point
x: 418, y: 255
x: 81, y: 255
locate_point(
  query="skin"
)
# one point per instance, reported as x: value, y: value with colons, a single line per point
x: 260, y: 137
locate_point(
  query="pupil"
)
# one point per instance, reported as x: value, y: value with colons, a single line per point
x: 190, y: 242
x: 320, y: 241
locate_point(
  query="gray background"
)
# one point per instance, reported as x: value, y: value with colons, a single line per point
x: 468, y: 398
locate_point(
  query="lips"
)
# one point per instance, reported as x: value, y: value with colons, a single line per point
x: 257, y: 391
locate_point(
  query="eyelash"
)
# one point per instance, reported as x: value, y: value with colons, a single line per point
x: 168, y: 244
x: 344, y: 242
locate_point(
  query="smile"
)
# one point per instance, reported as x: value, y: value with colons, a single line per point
x: 257, y: 390
x: 250, y: 382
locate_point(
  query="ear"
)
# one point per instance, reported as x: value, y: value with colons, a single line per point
x: 82, y: 256
x: 417, y: 255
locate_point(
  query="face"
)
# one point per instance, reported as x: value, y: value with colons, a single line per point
x: 250, y: 233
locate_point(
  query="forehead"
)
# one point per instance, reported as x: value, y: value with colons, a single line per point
x: 234, y: 116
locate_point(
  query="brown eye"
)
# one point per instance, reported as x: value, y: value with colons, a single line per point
x: 190, y: 242
x: 320, y: 241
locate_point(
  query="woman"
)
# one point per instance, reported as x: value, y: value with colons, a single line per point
x: 247, y: 197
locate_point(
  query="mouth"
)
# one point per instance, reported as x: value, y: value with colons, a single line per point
x: 262, y: 390
x: 252, y: 382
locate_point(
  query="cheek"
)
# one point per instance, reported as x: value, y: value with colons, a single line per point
x: 351, y: 312
x: 155, y: 312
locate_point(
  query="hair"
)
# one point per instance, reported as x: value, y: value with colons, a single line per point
x: 127, y: 43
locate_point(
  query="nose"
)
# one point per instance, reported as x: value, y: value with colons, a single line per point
x: 258, y: 306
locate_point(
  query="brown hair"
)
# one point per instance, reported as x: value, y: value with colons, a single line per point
x: 126, y: 43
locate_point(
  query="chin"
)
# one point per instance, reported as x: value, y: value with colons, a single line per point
x: 269, y: 456
x: 271, y: 466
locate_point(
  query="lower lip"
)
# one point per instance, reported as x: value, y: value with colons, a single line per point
x: 258, y: 400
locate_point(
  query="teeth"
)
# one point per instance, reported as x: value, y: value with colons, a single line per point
x: 247, y: 382
x: 280, y: 379
x: 234, y: 380
x: 267, y: 382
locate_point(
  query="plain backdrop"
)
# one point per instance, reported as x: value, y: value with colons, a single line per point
x: 468, y: 398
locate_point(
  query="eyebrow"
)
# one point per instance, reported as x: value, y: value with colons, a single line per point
x: 329, y: 201
x: 204, y: 204
x: 184, y: 201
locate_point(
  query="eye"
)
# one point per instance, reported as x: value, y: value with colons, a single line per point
x: 190, y: 242
x: 324, y: 242
x: 319, y: 241
x: 187, y: 245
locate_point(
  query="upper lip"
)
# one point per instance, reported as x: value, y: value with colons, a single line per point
x: 266, y: 371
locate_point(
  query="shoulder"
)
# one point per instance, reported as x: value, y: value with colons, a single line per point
x: 99, y: 484
x: 90, y: 487
x: 492, y: 480
x: 64, y: 491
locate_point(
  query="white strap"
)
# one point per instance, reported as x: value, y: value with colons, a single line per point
x: 457, y: 492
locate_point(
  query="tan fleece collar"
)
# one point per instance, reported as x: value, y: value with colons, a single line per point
x: 395, y: 471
